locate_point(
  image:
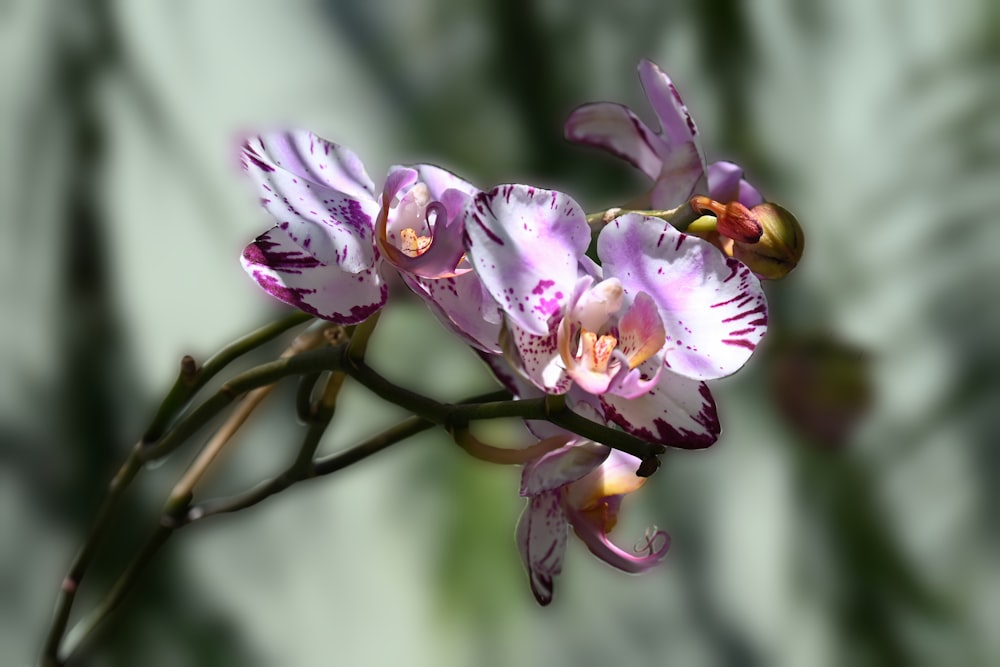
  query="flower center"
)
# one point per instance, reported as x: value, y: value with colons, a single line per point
x: 411, y: 220
x: 597, y: 349
x: 412, y: 244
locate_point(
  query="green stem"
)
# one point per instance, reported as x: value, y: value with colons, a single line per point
x: 317, y: 468
x: 323, y: 359
x: 325, y: 466
x: 361, y: 335
x: 416, y: 403
x: 191, y: 379
x: 84, y: 632
x: 81, y: 562
x: 179, y: 513
x: 676, y: 216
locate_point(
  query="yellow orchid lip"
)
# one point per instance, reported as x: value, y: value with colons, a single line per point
x: 412, y: 244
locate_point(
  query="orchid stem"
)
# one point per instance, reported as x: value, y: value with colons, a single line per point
x: 81, y: 562
x: 315, y: 468
x: 675, y: 216
x: 342, y: 360
x: 327, y: 358
x: 179, y: 513
x: 183, y: 490
x: 359, y: 338
x: 191, y: 378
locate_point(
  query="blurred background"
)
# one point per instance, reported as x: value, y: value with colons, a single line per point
x: 846, y: 517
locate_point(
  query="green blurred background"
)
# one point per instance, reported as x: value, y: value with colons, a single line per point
x: 846, y: 517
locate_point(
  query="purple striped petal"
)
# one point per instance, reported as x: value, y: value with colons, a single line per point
x: 712, y: 307
x: 678, y: 412
x: 525, y: 244
x: 675, y: 121
x: 290, y: 274
x: 616, y: 129
x: 319, y: 194
x: 541, y: 538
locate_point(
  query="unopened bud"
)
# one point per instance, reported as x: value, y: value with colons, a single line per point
x: 733, y: 220
x: 780, y: 246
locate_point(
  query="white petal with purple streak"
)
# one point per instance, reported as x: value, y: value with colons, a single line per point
x: 675, y: 121
x: 539, y: 359
x: 677, y: 412
x: 288, y: 273
x: 541, y: 538
x: 525, y: 244
x: 712, y: 307
x: 616, y: 129
x: 318, y: 193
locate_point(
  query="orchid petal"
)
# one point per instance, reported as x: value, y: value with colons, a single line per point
x: 682, y: 175
x: 448, y: 196
x: 675, y: 120
x: 634, y: 382
x: 615, y: 477
x: 640, y: 330
x: 616, y: 129
x: 540, y: 359
x: 541, y: 538
x: 597, y: 304
x: 726, y: 184
x: 306, y: 155
x: 458, y: 302
x: 654, y: 546
x: 562, y: 466
x: 588, y: 379
x: 525, y: 244
x: 439, y: 181
x: 290, y: 274
x: 677, y: 412
x: 319, y: 193
x: 713, y: 307
x: 516, y: 383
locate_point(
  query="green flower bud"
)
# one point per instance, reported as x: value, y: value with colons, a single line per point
x: 780, y: 246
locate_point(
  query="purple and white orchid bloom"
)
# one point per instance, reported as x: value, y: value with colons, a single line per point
x: 636, y: 337
x: 335, y: 241
x: 580, y: 485
x: 673, y: 158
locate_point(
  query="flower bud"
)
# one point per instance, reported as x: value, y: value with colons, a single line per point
x: 780, y: 246
x: 733, y: 220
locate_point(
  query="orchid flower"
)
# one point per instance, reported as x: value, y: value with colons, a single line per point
x: 580, y: 485
x: 673, y: 158
x: 636, y: 337
x: 335, y: 243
